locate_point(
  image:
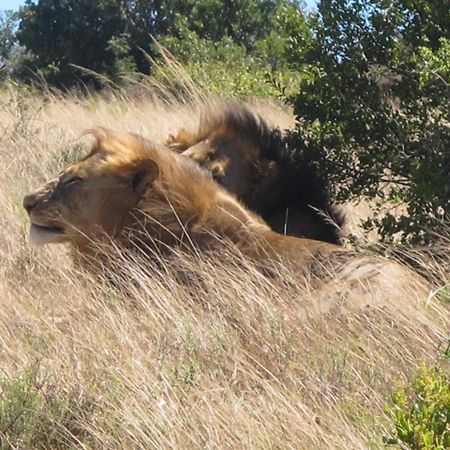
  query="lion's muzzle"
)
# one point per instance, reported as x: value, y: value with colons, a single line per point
x: 43, y: 227
x: 29, y: 202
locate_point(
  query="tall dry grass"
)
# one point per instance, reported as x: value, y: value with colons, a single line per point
x: 231, y: 359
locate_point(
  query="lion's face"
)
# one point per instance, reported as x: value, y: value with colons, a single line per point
x: 224, y: 162
x: 237, y: 165
x: 92, y: 197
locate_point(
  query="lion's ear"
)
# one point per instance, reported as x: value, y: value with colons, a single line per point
x: 143, y: 175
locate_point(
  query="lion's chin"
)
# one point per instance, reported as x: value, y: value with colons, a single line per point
x: 40, y: 235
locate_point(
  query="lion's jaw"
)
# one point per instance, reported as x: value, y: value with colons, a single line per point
x: 42, y: 234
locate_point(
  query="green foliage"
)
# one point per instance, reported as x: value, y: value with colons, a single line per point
x: 226, y: 68
x: 110, y: 37
x: 446, y: 352
x: 421, y: 412
x: 66, y: 33
x: 230, y: 66
x: 7, y: 34
x: 375, y: 109
x: 30, y: 417
x: 12, y: 56
x: 242, y: 21
x: 186, y: 371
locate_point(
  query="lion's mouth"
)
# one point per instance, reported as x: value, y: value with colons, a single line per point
x: 50, y: 229
x: 45, y: 234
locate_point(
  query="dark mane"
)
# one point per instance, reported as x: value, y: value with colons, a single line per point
x: 238, y: 119
x: 301, y: 185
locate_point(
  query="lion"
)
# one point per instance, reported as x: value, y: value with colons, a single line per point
x: 252, y: 161
x: 138, y: 193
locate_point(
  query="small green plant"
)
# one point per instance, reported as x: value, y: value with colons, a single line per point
x: 188, y: 367
x: 32, y: 416
x: 446, y: 352
x: 421, y: 411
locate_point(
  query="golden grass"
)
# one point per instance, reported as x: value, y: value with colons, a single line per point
x: 230, y: 360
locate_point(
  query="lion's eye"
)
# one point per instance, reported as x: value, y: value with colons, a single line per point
x: 72, y: 181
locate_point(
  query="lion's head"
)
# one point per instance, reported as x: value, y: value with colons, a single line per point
x: 92, y: 196
x: 228, y: 144
x: 251, y: 160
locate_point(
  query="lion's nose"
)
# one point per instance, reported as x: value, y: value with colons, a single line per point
x: 29, y: 202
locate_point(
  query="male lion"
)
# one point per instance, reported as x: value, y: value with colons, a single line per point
x: 252, y: 161
x: 135, y: 192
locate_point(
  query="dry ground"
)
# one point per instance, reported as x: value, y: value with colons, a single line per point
x: 234, y: 361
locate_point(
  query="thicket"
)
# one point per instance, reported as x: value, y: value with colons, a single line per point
x: 374, y: 116
x: 421, y: 411
x: 116, y: 37
x: 368, y: 79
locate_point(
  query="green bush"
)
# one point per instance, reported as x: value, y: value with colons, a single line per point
x: 232, y: 67
x: 34, y: 417
x: 224, y: 68
x: 374, y: 112
x: 421, y: 411
x: 110, y: 37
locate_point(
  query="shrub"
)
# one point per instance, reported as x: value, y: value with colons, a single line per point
x: 421, y: 411
x: 32, y: 416
x: 374, y: 113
